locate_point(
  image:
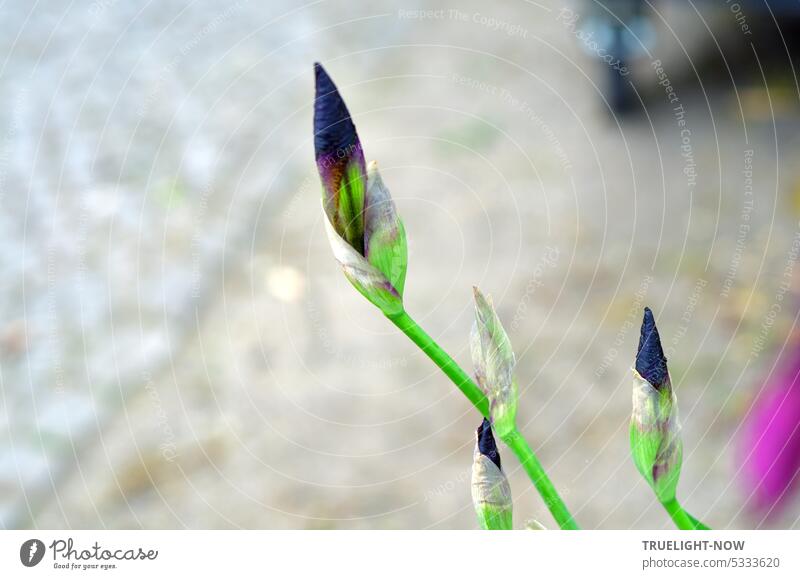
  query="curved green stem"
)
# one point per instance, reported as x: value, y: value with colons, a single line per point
x: 443, y: 360
x: 698, y: 525
x: 682, y: 519
x: 515, y: 441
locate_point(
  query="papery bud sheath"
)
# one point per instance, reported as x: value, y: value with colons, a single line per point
x: 491, y: 493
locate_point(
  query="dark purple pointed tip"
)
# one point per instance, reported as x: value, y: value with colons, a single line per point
x: 334, y: 132
x: 651, y: 364
x: 486, y: 444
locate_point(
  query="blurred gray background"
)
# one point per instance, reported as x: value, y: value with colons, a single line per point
x: 178, y: 347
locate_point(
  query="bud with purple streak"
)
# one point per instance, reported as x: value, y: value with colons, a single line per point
x: 364, y: 230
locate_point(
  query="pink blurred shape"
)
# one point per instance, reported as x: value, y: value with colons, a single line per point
x: 770, y: 445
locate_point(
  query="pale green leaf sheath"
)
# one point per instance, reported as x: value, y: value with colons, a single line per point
x: 385, y: 236
x: 655, y: 436
x: 493, y: 360
x: 491, y: 493
x: 380, y: 274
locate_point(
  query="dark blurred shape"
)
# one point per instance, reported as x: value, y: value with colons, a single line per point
x: 620, y: 33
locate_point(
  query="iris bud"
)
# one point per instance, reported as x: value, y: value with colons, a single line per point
x: 655, y: 432
x: 365, y: 232
x: 493, y: 359
x: 491, y: 493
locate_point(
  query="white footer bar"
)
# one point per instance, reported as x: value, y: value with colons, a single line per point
x: 406, y: 554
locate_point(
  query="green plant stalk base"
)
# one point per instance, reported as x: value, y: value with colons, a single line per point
x: 517, y: 443
x: 682, y: 519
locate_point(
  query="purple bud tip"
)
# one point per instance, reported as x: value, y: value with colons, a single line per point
x: 486, y: 444
x: 334, y: 131
x: 650, y: 361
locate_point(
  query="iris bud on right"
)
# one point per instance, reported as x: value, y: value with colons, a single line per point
x: 655, y: 432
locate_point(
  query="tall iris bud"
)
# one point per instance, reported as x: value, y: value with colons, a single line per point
x: 493, y: 359
x: 365, y: 232
x: 655, y: 442
x: 491, y: 493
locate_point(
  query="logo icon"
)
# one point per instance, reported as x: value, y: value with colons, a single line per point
x: 32, y: 552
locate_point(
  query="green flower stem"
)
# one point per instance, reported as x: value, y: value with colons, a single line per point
x: 698, y: 525
x: 515, y: 441
x: 443, y: 360
x: 682, y: 519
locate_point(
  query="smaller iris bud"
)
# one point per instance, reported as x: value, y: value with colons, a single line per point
x: 365, y: 232
x: 491, y: 493
x: 493, y: 359
x: 655, y: 432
